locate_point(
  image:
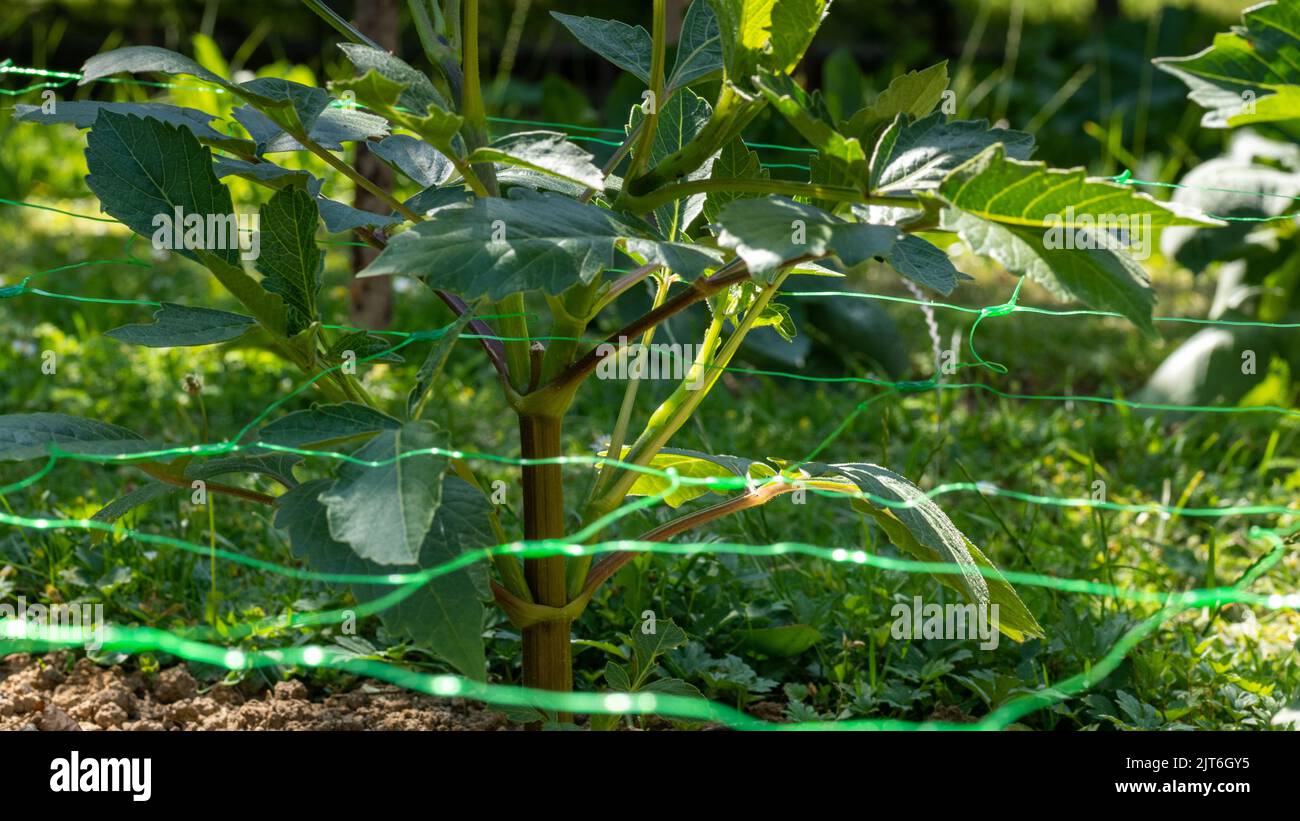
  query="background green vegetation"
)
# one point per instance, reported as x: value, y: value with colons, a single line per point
x: 1079, y: 77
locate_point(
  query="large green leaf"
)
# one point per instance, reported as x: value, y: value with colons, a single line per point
x: 699, y: 48
x: 913, y: 94
x: 179, y: 326
x: 418, y: 92
x: 265, y: 173
x: 917, y: 156
x: 127, y: 502
x: 141, y: 168
x: 1249, y: 75
x: 843, y: 159
x: 546, y: 152
x: 385, y: 510
x: 415, y: 158
x: 82, y: 114
x: 694, y: 465
x: 627, y: 47
x: 773, y: 232
x: 340, y: 217
x: 1049, y: 224
x: 278, y: 466
x: 497, y: 246
x: 143, y: 59
x: 326, y: 426
x: 25, y: 436
x: 771, y: 34
x: 924, y: 263
x: 680, y: 120
x: 445, y: 615
x: 296, y: 107
x: 290, y: 260
x: 331, y: 128
x: 926, y: 533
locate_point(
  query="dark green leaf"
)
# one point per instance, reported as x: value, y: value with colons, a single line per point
x: 917, y: 156
x: 82, y: 114
x: 680, y: 120
x: 332, y: 128
x: 340, y: 217
x: 497, y: 246
x: 773, y: 232
x: 924, y: 263
x: 327, y: 425
x: 179, y: 326
x: 141, y: 168
x: 415, y: 158
x: 627, y: 47
x: 445, y: 615
x: 616, y: 677
x: 699, y: 48
x: 290, y: 260
x: 267, y: 173
x: 123, y: 505
x: 546, y: 152
x: 648, y: 647
x: 362, y: 344
x: 26, y: 436
x: 278, y: 466
x: 140, y: 59
x: 385, y: 510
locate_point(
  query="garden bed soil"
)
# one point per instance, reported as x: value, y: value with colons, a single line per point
x: 53, y: 693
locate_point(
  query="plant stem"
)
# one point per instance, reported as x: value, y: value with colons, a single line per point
x: 475, y: 132
x: 726, y: 276
x: 357, y: 177
x: 678, y: 407
x: 570, y: 312
x: 339, y: 24
x: 614, y: 160
x: 580, y: 565
x: 611, y: 563
x: 730, y: 116
x: 548, y: 663
x: 629, y: 395
x: 641, y: 156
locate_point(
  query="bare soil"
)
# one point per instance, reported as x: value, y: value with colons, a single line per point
x: 53, y: 692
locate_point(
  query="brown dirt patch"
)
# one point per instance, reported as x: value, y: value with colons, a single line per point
x: 54, y: 693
